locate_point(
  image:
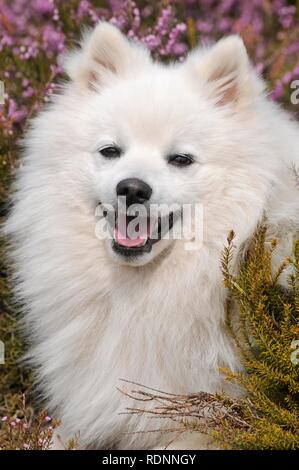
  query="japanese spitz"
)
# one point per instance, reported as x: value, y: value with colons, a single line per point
x: 144, y: 308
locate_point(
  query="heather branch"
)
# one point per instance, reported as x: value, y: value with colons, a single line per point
x: 208, y: 410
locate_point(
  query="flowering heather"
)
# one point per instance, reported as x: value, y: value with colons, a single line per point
x: 25, y: 432
x: 35, y: 33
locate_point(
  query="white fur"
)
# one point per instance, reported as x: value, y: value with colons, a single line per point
x: 93, y: 319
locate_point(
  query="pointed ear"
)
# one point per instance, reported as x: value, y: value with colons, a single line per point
x: 104, y: 53
x: 224, y: 69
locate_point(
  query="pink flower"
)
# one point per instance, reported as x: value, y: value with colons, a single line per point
x: 277, y: 92
x: 53, y: 39
x: 43, y: 7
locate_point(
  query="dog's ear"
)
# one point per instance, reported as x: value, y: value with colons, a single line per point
x: 224, y: 69
x: 104, y: 53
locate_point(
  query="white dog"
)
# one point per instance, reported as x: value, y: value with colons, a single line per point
x: 143, y: 309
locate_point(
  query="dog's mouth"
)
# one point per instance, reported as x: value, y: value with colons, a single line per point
x: 132, y: 237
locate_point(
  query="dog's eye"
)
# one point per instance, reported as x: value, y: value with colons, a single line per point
x: 110, y: 151
x: 180, y: 160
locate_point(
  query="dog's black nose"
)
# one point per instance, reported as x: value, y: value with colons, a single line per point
x: 135, y: 190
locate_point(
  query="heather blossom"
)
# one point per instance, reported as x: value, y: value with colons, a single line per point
x: 35, y: 33
x: 25, y: 432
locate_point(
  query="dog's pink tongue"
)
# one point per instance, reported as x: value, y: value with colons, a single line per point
x: 125, y: 240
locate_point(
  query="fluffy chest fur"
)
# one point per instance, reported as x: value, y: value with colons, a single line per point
x: 153, y: 326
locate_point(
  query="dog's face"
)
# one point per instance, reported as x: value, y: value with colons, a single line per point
x: 148, y: 155
x: 156, y: 135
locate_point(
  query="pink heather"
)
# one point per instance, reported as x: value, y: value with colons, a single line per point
x: 35, y: 34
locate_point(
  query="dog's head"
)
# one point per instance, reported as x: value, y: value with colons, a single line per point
x: 156, y: 136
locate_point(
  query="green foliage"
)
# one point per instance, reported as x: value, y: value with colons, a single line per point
x: 14, y: 378
x: 266, y: 338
